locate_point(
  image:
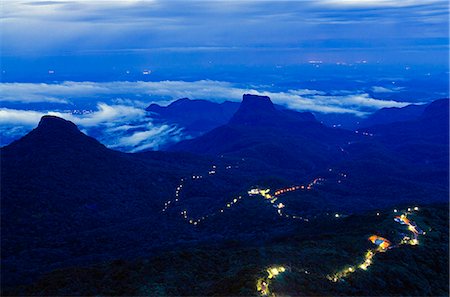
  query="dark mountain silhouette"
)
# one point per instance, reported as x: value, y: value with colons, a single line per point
x: 195, y: 116
x: 386, y: 162
x: 62, y: 191
x: 280, y: 138
x: 431, y: 126
x: 424, y: 140
x: 259, y: 110
x: 394, y: 114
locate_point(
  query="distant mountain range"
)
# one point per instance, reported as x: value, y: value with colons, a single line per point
x: 197, y: 117
x: 280, y: 138
x: 68, y: 200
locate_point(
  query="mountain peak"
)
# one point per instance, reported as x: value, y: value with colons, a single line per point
x: 54, y: 123
x: 57, y: 135
x: 260, y: 103
x: 254, y: 109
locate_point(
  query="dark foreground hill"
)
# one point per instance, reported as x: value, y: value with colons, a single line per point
x: 65, y: 197
x: 308, y: 254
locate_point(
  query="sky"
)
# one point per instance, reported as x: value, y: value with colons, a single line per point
x: 108, y: 57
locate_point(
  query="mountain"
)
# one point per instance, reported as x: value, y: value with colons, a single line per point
x: 393, y: 114
x: 259, y: 110
x: 424, y: 140
x: 431, y: 127
x: 283, y: 139
x: 402, y: 161
x: 195, y: 116
x: 309, y: 253
x: 66, y: 198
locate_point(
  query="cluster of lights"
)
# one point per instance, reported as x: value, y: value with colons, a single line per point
x: 168, y: 203
x: 368, y: 259
x: 197, y: 221
x: 383, y: 245
x: 262, y: 285
x: 364, y: 133
x: 184, y: 214
x: 412, y: 227
x: 265, y: 193
x: 316, y: 181
x: 179, y: 187
x: 282, y: 191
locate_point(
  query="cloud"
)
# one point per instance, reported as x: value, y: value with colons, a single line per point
x: 379, y: 89
x: 126, y: 128
x: 152, y: 137
x: 378, y: 3
x: 123, y: 123
x: 119, y: 25
x: 27, y: 118
x: 358, y: 103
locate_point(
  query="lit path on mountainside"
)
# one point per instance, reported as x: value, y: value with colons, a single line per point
x: 280, y: 207
x: 383, y: 245
x: 274, y: 271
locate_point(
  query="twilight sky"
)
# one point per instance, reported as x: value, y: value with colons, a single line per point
x: 302, y: 30
x: 113, y: 58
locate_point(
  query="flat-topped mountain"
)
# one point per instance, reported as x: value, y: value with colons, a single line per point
x: 281, y: 138
x: 259, y: 110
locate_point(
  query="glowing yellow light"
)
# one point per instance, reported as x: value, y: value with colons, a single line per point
x: 234, y: 200
x: 336, y: 215
x: 395, y: 210
x: 409, y: 209
x: 416, y: 208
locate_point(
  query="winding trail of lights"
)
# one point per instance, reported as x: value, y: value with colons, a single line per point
x: 265, y: 193
x: 383, y: 246
x: 263, y: 283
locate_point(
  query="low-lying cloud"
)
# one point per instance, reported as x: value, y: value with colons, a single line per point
x: 358, y: 103
x: 119, y: 119
x: 125, y: 128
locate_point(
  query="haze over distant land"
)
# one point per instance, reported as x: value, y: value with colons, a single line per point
x: 105, y: 61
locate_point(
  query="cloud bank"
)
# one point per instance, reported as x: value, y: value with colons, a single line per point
x: 111, y: 26
x: 358, y: 103
x: 125, y: 128
x: 121, y: 122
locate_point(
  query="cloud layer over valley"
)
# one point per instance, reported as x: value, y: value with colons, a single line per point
x: 114, y: 112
